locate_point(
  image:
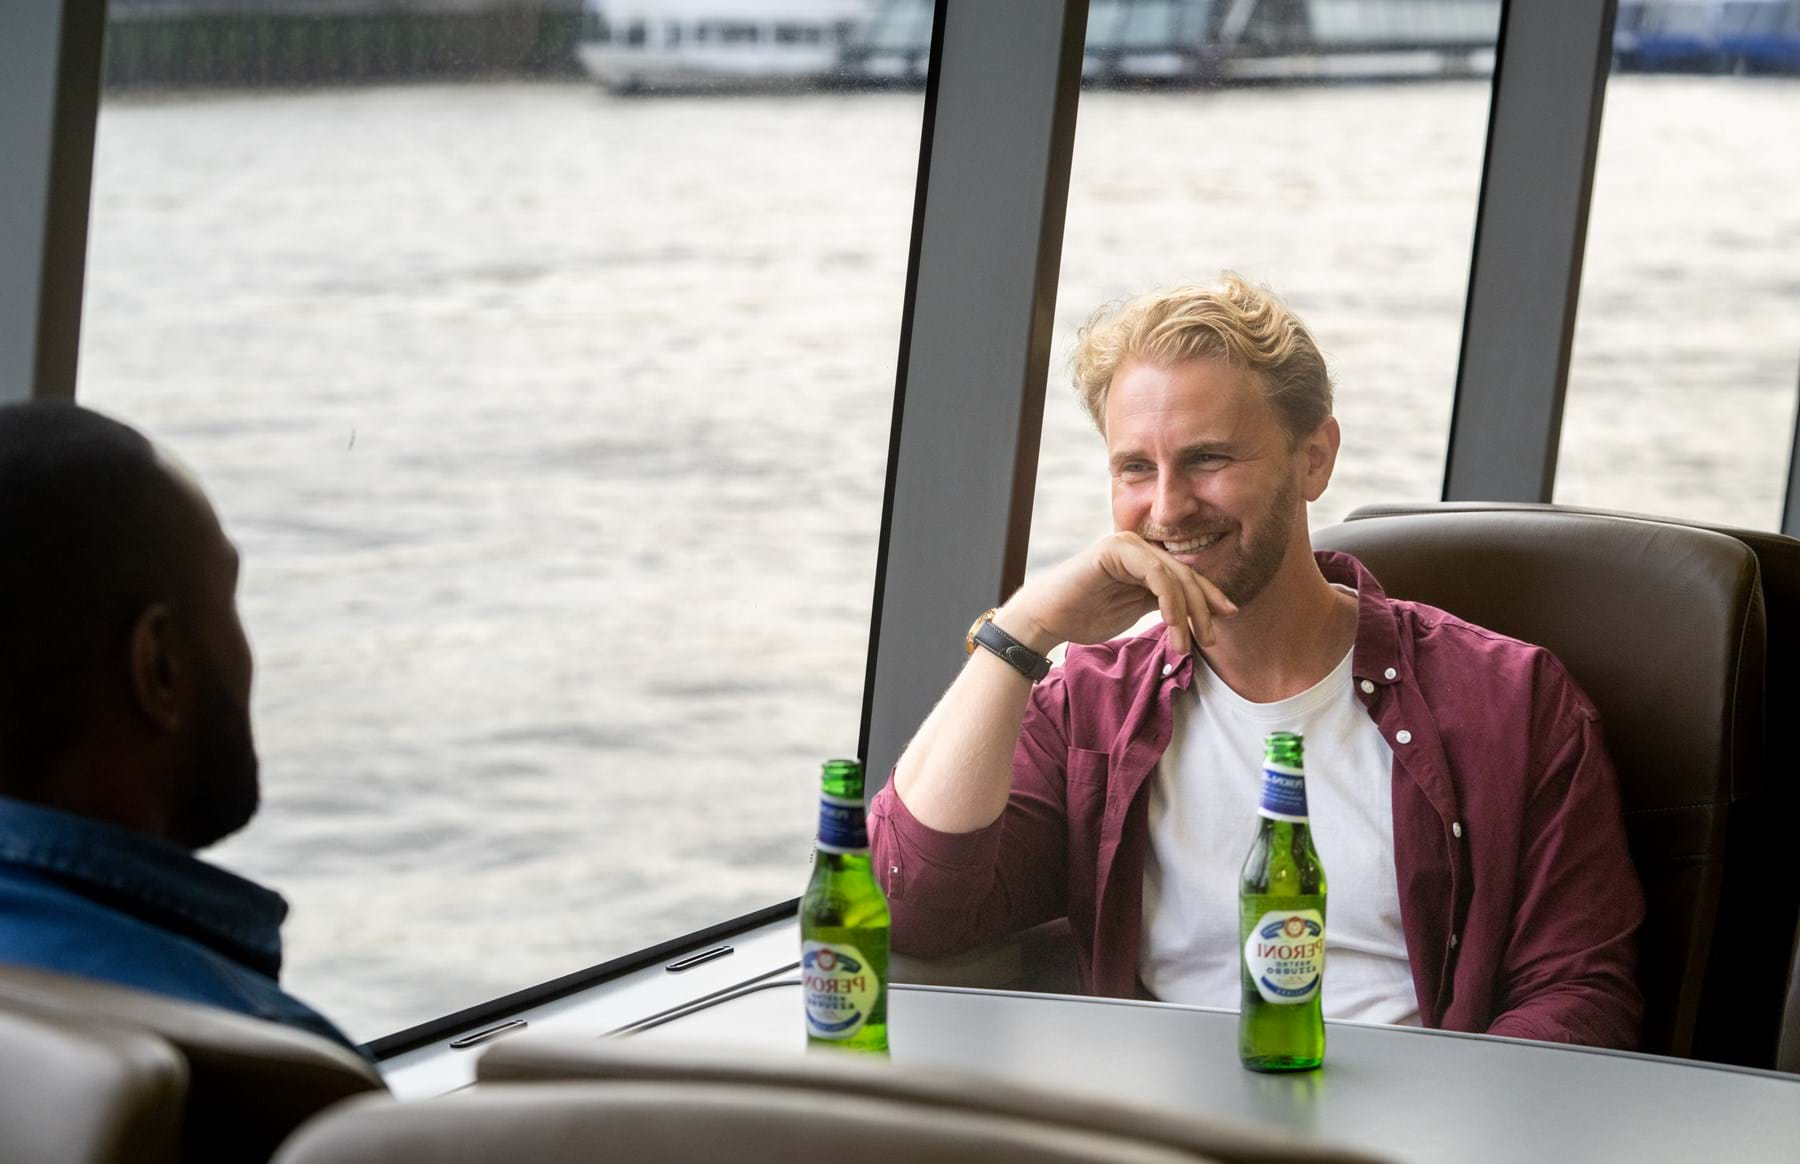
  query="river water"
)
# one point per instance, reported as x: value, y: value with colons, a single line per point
x: 552, y: 428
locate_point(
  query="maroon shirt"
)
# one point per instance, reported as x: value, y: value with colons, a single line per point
x: 1517, y: 895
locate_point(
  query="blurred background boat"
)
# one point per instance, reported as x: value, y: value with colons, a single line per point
x: 1707, y: 36
x: 1149, y: 43
x: 684, y: 45
x: 1201, y: 42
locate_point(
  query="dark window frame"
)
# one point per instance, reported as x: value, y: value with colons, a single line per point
x: 956, y: 403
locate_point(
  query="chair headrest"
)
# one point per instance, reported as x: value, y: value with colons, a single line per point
x: 79, y: 1092
x: 1778, y: 564
x: 1662, y: 625
x: 674, y: 1123
x: 538, y: 1060
x: 251, y: 1082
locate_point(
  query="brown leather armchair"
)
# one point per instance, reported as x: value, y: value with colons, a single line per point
x: 1742, y: 1016
x: 1663, y: 625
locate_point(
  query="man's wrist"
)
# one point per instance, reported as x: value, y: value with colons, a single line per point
x: 1020, y: 625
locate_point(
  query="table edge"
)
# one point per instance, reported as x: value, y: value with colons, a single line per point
x: 1384, y: 1029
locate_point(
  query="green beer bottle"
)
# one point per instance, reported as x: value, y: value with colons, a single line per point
x: 1281, y: 919
x: 844, y: 924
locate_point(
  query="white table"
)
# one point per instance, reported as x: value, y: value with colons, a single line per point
x: 1406, y: 1094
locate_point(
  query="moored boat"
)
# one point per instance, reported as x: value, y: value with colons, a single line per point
x: 710, y: 45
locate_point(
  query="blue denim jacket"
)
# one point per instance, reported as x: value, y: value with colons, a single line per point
x: 82, y: 897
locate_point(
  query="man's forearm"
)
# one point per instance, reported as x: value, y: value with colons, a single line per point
x: 1588, y: 1014
x: 956, y: 773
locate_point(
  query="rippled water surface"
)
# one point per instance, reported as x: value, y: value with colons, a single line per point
x: 553, y: 430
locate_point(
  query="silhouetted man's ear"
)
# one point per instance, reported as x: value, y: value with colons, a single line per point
x: 158, y: 668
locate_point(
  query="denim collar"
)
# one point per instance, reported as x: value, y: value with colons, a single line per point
x: 148, y: 879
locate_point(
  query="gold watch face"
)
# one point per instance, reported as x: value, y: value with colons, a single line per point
x: 969, y: 639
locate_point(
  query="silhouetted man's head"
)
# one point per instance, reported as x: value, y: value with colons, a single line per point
x: 124, y: 670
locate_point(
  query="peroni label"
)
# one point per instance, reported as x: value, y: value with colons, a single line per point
x: 1285, y: 955
x: 841, y: 989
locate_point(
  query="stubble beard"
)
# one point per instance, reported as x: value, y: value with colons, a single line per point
x: 224, y: 787
x: 1261, y: 548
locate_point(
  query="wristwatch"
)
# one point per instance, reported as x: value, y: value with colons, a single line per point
x: 1016, y: 654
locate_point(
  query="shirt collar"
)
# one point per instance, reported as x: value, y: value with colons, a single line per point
x: 1377, y: 657
x: 1377, y: 654
x: 149, y: 879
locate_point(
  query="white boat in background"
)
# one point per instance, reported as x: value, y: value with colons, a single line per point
x: 1148, y: 43
x: 678, y: 45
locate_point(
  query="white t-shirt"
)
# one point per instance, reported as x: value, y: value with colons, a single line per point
x: 1203, y: 800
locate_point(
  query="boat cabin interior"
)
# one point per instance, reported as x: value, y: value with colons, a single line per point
x: 1686, y: 634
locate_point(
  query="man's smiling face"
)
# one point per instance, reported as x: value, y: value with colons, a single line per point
x: 1202, y: 467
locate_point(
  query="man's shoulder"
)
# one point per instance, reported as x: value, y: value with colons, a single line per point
x: 1455, y: 658
x: 1452, y: 639
x: 62, y: 928
x: 47, y: 922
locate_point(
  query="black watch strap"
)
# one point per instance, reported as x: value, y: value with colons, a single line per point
x: 1016, y: 654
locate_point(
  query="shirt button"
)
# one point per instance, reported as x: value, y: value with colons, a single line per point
x: 1391, y: 673
x: 1453, y: 941
x: 1456, y: 828
x: 1168, y: 670
x: 1368, y: 687
x: 1403, y: 736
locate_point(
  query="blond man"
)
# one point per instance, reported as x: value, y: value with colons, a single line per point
x: 1460, y: 793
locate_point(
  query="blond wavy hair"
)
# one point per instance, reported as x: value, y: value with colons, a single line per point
x: 1246, y: 326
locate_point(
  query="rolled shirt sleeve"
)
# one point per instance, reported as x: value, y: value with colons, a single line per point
x: 951, y: 891
x: 1570, y: 971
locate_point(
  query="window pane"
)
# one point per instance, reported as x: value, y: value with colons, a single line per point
x: 1356, y: 203
x: 1687, y: 346
x: 553, y: 428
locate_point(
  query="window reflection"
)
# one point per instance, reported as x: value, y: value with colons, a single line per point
x: 553, y: 428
